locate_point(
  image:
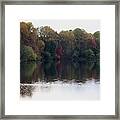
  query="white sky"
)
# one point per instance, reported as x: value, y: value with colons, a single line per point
x: 90, y: 26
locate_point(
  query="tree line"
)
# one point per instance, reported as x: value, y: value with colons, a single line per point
x: 40, y: 44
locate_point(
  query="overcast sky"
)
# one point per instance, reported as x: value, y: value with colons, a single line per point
x: 58, y: 25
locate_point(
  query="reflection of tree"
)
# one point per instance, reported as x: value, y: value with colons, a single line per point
x: 96, y: 70
x: 66, y: 70
x: 49, y: 71
x: 84, y: 71
x: 26, y: 71
x: 26, y: 90
x: 59, y: 70
x: 40, y: 71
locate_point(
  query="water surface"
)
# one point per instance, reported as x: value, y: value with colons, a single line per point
x: 60, y: 81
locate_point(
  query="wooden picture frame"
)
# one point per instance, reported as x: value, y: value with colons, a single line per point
x: 70, y: 2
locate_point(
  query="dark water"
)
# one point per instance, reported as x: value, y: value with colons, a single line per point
x: 60, y: 80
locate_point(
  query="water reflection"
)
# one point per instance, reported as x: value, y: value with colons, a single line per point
x: 26, y: 90
x: 53, y: 75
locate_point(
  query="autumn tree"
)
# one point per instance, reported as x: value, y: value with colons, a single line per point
x: 40, y: 43
x: 29, y: 37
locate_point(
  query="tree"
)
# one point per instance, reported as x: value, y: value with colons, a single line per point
x: 27, y: 54
x: 68, y: 42
x: 97, y: 35
x: 30, y: 37
x: 47, y: 34
x: 97, y: 49
x: 40, y: 43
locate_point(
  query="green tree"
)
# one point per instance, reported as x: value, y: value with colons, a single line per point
x: 27, y: 54
x: 68, y: 42
x: 47, y: 34
x: 97, y: 35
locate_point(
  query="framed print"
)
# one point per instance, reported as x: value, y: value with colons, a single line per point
x: 60, y: 59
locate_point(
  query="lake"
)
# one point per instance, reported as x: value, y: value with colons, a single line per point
x: 60, y: 80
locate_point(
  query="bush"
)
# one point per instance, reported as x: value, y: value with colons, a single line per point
x: 27, y: 54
